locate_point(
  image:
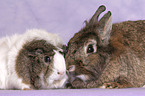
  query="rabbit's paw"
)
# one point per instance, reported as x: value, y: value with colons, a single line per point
x: 111, y: 85
x: 78, y: 84
x: 27, y: 89
x: 68, y: 86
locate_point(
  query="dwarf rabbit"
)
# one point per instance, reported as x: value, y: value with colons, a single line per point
x: 33, y: 60
x: 106, y: 55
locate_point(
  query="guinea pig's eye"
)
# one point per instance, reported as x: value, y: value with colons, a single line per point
x: 90, y: 49
x: 47, y: 59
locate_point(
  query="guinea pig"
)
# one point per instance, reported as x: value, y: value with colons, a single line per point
x: 105, y: 55
x: 33, y: 60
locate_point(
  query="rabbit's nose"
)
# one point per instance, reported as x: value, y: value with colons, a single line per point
x: 60, y: 73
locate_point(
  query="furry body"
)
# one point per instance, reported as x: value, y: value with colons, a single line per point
x: 103, y: 54
x: 10, y: 48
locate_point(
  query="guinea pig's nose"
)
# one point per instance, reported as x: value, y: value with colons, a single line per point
x: 60, y: 73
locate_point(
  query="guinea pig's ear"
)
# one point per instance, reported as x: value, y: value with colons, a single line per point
x: 63, y: 50
x: 38, y: 51
x: 64, y: 47
x: 105, y: 28
x: 35, y: 53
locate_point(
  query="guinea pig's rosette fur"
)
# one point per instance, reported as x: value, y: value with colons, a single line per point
x: 33, y: 60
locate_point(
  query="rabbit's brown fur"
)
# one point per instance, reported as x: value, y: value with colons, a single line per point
x: 119, y: 59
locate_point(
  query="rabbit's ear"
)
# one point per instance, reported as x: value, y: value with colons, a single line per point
x: 95, y: 17
x: 105, y: 28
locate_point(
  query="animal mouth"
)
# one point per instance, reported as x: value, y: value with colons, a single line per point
x: 72, y: 78
x: 75, y: 83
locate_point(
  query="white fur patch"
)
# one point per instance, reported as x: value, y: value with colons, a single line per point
x: 103, y: 87
x: 59, y: 62
x: 83, y: 77
x: 56, y: 80
x: 37, y: 34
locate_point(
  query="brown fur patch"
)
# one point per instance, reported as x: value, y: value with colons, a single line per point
x: 30, y: 62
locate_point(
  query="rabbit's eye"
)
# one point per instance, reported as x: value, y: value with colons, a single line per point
x: 90, y: 49
x: 47, y: 59
x: 71, y: 68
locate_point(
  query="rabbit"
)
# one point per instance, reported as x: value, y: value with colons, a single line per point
x: 106, y: 55
x: 31, y: 61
